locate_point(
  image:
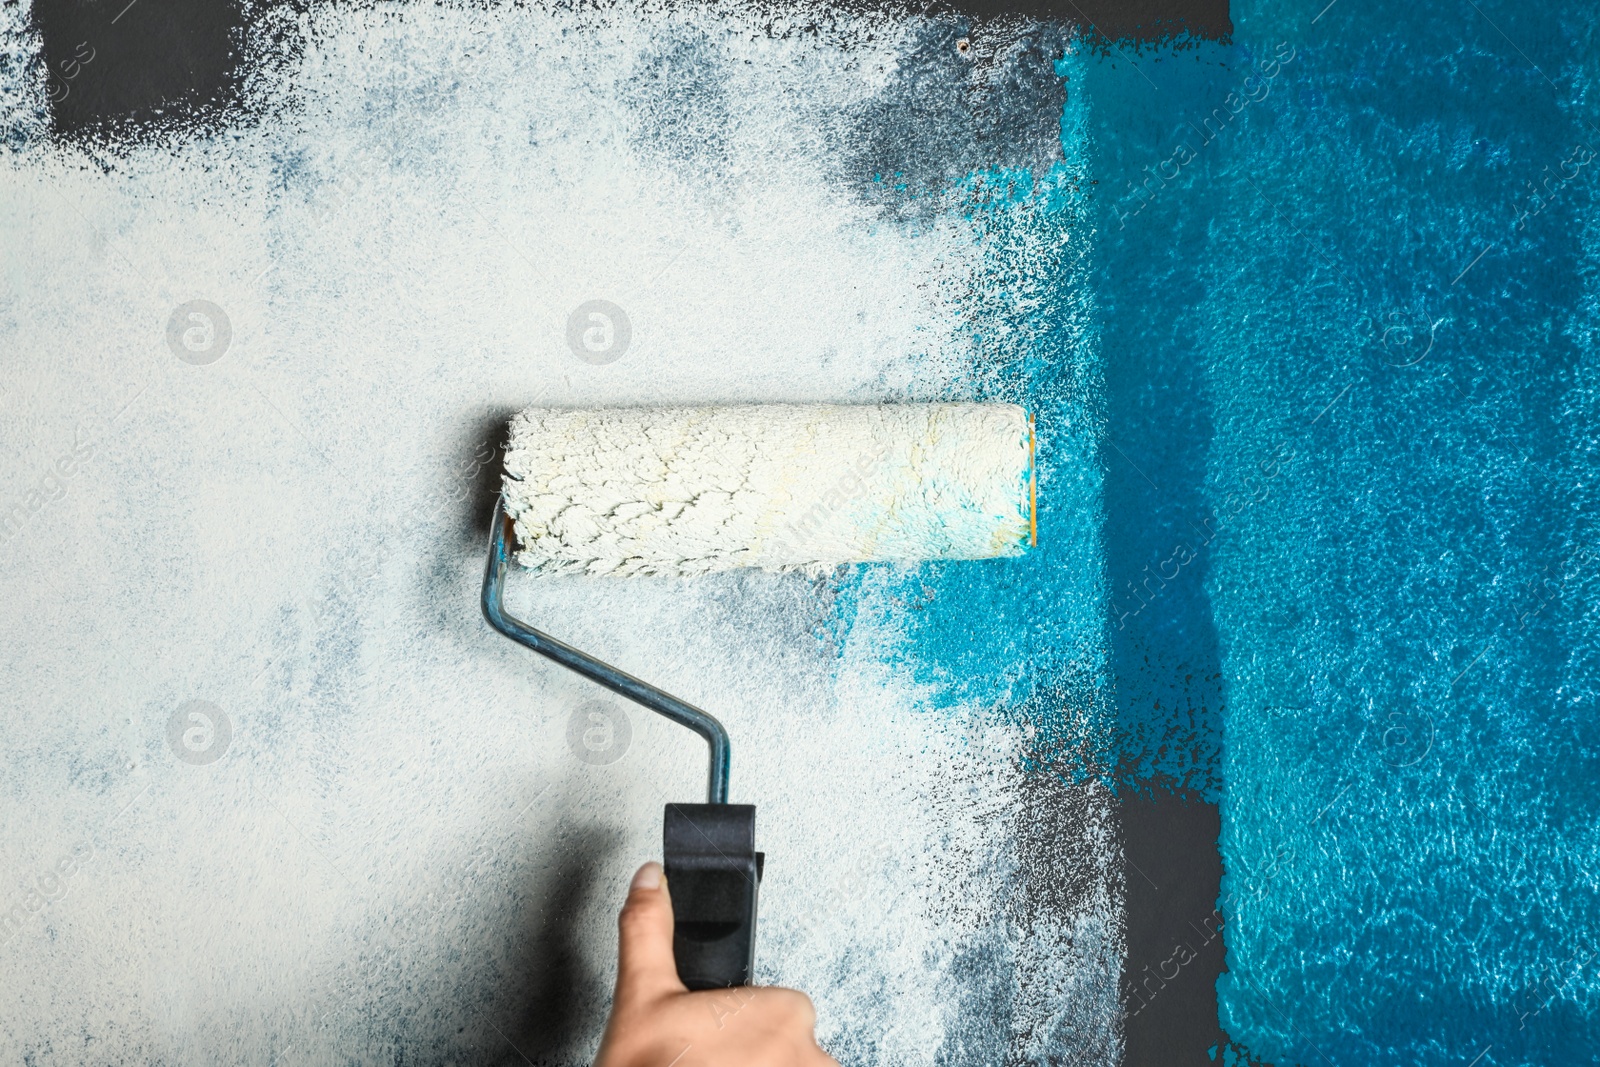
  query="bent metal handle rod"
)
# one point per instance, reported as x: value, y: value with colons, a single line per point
x: 619, y: 682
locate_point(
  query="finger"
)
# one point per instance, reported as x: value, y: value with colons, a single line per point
x: 645, y: 965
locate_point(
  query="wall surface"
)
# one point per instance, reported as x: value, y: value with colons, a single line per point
x: 1280, y: 748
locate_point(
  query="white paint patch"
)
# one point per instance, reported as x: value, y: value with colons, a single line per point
x: 401, y: 852
x: 684, y: 491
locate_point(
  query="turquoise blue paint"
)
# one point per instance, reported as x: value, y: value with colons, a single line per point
x: 1318, y: 384
x: 1021, y: 638
x: 1406, y: 618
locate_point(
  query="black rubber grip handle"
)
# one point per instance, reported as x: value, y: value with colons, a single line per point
x: 713, y: 873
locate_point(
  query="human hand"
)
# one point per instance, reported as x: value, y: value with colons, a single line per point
x: 657, y: 1022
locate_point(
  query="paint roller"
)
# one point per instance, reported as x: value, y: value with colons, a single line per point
x: 685, y: 491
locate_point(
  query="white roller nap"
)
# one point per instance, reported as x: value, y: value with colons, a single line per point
x: 681, y: 491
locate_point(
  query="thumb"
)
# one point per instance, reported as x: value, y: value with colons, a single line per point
x: 645, y: 965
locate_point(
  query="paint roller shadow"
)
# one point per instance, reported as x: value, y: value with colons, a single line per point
x: 561, y: 1002
x: 481, y: 474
